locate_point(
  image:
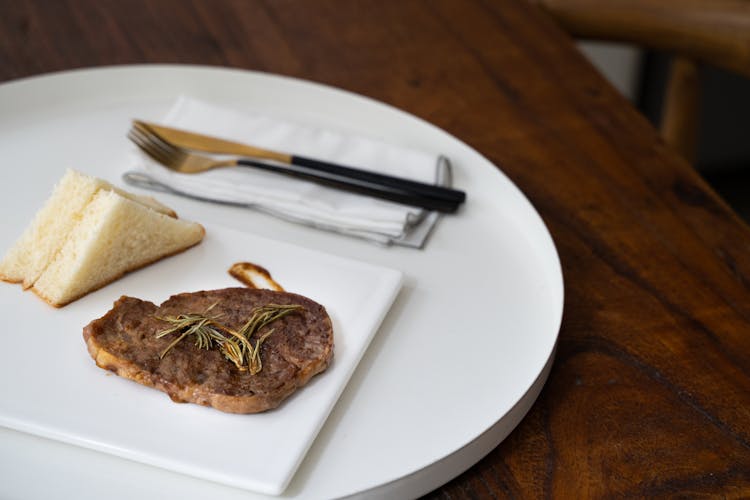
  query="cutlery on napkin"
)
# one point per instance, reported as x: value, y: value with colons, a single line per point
x: 296, y: 200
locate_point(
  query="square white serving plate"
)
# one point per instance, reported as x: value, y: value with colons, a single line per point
x: 51, y: 387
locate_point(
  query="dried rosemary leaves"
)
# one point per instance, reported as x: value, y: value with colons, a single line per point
x: 237, y: 346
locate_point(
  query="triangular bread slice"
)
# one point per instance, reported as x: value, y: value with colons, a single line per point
x: 42, y: 239
x: 112, y: 236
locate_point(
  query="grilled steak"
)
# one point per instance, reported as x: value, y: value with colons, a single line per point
x: 301, y: 345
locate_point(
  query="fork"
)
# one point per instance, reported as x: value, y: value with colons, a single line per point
x: 380, y: 186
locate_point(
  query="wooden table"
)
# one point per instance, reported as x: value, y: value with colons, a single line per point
x: 650, y: 391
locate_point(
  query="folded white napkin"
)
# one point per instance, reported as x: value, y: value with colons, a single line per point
x: 293, y: 199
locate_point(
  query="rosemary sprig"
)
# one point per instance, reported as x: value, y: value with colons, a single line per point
x: 260, y: 318
x: 235, y: 345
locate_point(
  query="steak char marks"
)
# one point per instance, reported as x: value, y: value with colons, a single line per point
x: 301, y: 345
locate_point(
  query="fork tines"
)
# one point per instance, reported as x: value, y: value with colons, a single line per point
x: 153, y: 145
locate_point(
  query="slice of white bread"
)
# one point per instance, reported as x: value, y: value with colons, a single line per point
x: 90, y: 233
x: 115, y: 235
x: 43, y: 238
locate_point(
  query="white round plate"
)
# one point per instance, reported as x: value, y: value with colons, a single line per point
x: 457, y: 362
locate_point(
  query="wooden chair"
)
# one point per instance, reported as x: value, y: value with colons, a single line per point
x: 715, y: 32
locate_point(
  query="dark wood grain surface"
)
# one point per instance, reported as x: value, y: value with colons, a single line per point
x: 650, y: 392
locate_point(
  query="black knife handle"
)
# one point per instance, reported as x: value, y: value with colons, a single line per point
x: 421, y: 188
x: 359, y: 186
